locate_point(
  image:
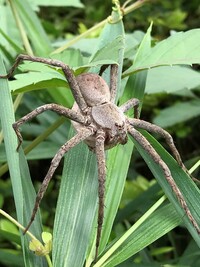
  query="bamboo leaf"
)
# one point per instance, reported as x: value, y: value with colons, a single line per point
x: 180, y: 48
x: 171, y: 79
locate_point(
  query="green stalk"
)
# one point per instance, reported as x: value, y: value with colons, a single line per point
x: 21, y: 29
x: 6, y: 215
x: 124, y: 11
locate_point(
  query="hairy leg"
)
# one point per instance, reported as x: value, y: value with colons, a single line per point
x: 132, y: 103
x: 71, y: 114
x: 113, y: 79
x: 54, y: 164
x: 152, y: 128
x: 157, y: 159
x: 113, y: 82
x: 100, y: 154
x: 56, y: 63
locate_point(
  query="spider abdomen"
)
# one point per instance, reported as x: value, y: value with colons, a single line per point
x: 94, y: 89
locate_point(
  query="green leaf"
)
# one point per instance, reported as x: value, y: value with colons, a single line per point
x: 11, y: 258
x: 75, y: 3
x: 145, y: 234
x: 24, y: 194
x: 171, y: 79
x: 190, y: 191
x: 114, y: 45
x: 183, y: 112
x: 75, y: 208
x: 180, y: 48
x: 155, y: 226
x: 35, y: 81
x: 34, y: 28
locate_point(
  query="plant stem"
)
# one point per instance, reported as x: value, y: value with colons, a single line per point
x: 6, y: 215
x: 21, y: 28
x: 125, y: 11
x: 193, y: 168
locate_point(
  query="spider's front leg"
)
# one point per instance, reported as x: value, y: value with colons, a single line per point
x: 157, y: 159
x: 66, y: 112
x: 100, y: 154
x: 132, y: 103
x: 113, y: 79
x: 56, y: 63
x: 79, y: 137
x: 152, y: 128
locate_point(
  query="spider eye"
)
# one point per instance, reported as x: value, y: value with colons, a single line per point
x: 120, y: 125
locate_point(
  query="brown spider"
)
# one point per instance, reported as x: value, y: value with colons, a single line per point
x: 101, y: 125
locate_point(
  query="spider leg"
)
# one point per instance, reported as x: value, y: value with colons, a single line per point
x: 56, y: 63
x: 113, y: 79
x: 152, y: 128
x: 113, y: 82
x: 100, y: 154
x: 132, y: 103
x: 54, y: 164
x: 157, y: 159
x: 66, y: 112
x: 103, y: 68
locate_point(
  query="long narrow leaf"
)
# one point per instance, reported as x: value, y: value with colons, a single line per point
x: 75, y: 208
x: 180, y: 48
x: 33, y: 27
x: 119, y: 157
x: 155, y: 226
x: 158, y: 224
x: 24, y: 194
x: 190, y: 191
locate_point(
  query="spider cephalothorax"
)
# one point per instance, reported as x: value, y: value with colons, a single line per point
x: 102, y: 125
x: 102, y: 113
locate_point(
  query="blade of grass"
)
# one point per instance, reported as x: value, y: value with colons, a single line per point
x: 119, y: 157
x: 142, y: 234
x: 189, y: 190
x: 75, y: 208
x: 33, y: 27
x: 112, y: 32
x: 23, y: 191
x: 156, y: 226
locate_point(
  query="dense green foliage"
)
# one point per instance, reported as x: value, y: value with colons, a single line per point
x: 159, y: 67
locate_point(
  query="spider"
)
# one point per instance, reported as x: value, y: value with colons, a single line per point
x: 101, y: 124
